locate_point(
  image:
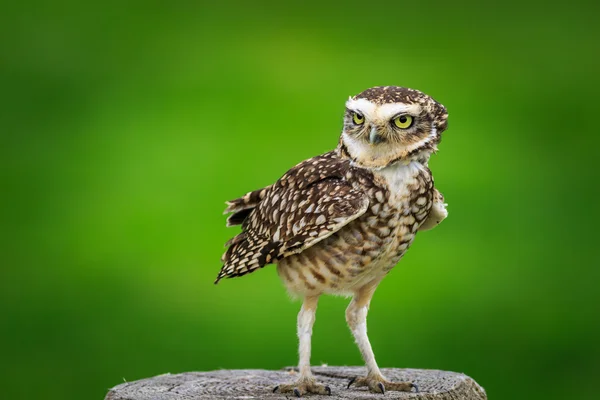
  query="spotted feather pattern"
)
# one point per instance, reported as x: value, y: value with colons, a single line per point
x: 308, y: 204
x: 241, y: 208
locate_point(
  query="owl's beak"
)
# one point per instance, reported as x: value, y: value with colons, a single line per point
x: 374, y: 136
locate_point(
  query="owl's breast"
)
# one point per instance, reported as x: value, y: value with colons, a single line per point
x: 370, y: 246
x: 405, y: 205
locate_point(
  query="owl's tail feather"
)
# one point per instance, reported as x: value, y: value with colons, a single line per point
x: 247, y: 253
x: 239, y: 217
x: 242, y: 206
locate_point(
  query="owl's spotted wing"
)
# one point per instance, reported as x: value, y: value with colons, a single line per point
x: 308, y: 204
x: 242, y: 207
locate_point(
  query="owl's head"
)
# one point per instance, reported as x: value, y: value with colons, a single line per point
x: 388, y: 124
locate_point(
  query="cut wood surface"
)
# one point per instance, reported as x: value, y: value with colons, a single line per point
x: 259, y: 384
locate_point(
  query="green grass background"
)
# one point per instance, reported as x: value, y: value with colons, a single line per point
x: 124, y: 128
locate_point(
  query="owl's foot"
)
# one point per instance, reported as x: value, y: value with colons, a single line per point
x: 379, y: 384
x: 303, y: 386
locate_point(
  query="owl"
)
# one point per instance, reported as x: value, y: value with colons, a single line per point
x: 339, y: 222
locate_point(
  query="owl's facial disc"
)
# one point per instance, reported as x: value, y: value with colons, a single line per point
x: 376, y: 135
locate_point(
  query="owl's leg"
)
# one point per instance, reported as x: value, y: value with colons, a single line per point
x: 356, y: 316
x: 306, y: 381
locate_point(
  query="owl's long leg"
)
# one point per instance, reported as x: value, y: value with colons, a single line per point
x: 356, y: 316
x: 306, y: 382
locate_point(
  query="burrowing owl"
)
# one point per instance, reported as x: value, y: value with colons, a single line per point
x: 339, y: 222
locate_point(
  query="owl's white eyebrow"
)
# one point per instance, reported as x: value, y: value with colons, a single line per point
x: 383, y: 111
x: 364, y: 106
x: 390, y: 110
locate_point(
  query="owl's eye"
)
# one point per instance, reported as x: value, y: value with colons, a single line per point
x: 403, y: 121
x: 358, y: 118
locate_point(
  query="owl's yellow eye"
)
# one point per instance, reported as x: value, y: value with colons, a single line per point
x: 358, y: 118
x: 403, y: 121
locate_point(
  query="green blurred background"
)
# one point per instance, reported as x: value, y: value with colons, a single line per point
x: 124, y: 128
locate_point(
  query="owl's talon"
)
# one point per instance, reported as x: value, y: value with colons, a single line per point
x: 378, y: 384
x: 415, y: 387
x: 351, y: 382
x: 302, y: 386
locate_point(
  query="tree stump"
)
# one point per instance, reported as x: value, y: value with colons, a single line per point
x: 259, y: 384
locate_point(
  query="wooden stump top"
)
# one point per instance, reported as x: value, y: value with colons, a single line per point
x: 259, y: 384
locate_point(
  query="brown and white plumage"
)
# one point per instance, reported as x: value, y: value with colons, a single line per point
x: 308, y: 204
x: 339, y: 222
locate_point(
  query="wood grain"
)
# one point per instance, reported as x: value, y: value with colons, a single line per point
x: 259, y: 384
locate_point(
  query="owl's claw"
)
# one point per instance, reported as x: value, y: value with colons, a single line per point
x: 349, y: 383
x: 378, y: 384
x: 303, y: 386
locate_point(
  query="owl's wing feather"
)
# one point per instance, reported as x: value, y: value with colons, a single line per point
x: 308, y: 204
x: 241, y: 207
